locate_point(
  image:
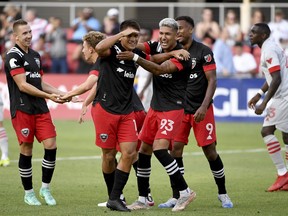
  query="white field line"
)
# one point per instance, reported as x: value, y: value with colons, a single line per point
x: 98, y: 157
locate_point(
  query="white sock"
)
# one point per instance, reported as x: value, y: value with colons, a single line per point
x: 185, y: 192
x: 45, y: 185
x: 142, y: 199
x: 29, y: 191
x: 274, y: 150
x: 3, y: 143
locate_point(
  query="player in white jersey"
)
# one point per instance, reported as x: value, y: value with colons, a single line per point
x: 274, y: 65
x: 3, y: 139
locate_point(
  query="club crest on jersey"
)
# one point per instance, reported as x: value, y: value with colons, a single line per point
x: 193, y: 63
x: 208, y: 58
x: 103, y: 137
x: 269, y: 61
x: 25, y: 132
x: 12, y: 63
x: 37, y: 60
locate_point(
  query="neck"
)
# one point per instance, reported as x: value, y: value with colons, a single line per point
x: 24, y: 48
x: 188, y: 44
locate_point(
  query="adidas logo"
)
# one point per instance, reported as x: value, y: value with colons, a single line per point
x: 26, y: 63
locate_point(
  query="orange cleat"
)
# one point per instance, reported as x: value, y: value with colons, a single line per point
x: 279, y: 183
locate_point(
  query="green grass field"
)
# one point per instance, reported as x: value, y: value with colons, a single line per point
x: 78, y: 183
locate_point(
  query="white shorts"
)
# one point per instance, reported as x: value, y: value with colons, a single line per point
x: 277, y: 115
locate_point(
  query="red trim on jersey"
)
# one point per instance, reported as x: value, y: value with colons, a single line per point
x: 94, y: 72
x: 148, y: 57
x: 274, y: 69
x: 17, y: 71
x: 209, y: 67
x: 41, y: 72
x: 177, y: 63
x: 147, y: 48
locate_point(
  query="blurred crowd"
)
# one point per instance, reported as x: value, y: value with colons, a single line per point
x: 61, y: 48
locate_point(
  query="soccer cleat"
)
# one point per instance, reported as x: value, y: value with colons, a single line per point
x: 184, y: 201
x: 104, y: 204
x: 279, y: 183
x: 5, y: 162
x: 225, y: 200
x: 46, y: 195
x: 284, y: 188
x: 170, y: 203
x: 117, y: 205
x: 150, y: 200
x: 137, y: 205
x: 31, y: 199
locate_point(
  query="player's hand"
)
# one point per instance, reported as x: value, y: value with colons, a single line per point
x: 56, y: 98
x: 129, y: 31
x: 126, y: 55
x: 181, y: 54
x: 83, y: 112
x: 200, y: 114
x: 252, y: 102
x: 260, y: 109
x: 76, y: 99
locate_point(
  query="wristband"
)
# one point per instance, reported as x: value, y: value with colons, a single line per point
x: 135, y: 57
x: 260, y: 92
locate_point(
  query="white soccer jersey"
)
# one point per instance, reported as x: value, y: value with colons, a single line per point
x: 274, y: 59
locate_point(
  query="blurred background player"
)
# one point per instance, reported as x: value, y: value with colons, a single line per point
x: 3, y: 139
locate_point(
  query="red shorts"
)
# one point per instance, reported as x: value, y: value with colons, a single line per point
x: 204, y: 131
x: 161, y: 125
x: 139, y: 117
x: 27, y: 126
x: 112, y: 129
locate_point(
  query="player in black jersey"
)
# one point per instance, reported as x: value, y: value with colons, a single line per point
x: 199, y: 111
x: 112, y: 110
x: 29, y: 112
x: 164, y: 117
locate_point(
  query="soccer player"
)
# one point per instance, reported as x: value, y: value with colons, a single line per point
x: 29, y: 112
x: 199, y: 113
x: 5, y: 161
x: 275, y: 68
x: 112, y: 111
x: 164, y: 117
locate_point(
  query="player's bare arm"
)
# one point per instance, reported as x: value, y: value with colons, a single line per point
x: 211, y: 88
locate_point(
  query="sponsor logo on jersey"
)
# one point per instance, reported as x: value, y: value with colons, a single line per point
x: 193, y: 62
x: 103, y: 137
x: 37, y: 60
x: 129, y: 75
x: 169, y: 76
x: 269, y: 61
x: 12, y: 63
x: 33, y: 74
x: 25, y: 132
x: 208, y: 58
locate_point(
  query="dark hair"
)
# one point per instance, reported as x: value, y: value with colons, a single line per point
x: 18, y: 23
x: 188, y: 19
x: 263, y: 28
x: 129, y: 23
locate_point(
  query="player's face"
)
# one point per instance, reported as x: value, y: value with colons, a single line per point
x: 87, y: 51
x: 167, y: 38
x: 255, y: 35
x: 23, y: 36
x: 185, y: 32
x: 130, y: 41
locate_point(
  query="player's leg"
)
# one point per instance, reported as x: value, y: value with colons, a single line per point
x: 285, y: 140
x: 3, y: 145
x: 46, y: 133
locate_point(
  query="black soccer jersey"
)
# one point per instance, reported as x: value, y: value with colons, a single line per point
x: 169, y: 89
x: 17, y: 62
x: 115, y: 83
x: 202, y: 60
x: 137, y: 104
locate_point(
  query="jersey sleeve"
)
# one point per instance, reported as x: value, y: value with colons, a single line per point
x: 271, y: 60
x: 181, y: 65
x: 95, y: 69
x: 207, y: 60
x: 142, y: 54
x: 14, y: 63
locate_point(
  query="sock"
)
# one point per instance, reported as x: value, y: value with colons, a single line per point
x: 120, y: 181
x: 25, y: 170
x: 143, y: 174
x: 3, y: 143
x: 274, y: 150
x: 217, y: 170
x: 48, y: 165
x: 172, y: 169
x: 109, y: 180
x: 180, y: 163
